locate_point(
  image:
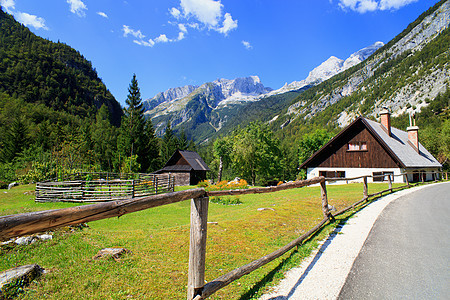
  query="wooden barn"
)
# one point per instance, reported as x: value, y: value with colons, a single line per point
x: 187, y: 167
x: 366, y: 147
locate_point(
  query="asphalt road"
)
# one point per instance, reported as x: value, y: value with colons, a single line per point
x: 407, y: 253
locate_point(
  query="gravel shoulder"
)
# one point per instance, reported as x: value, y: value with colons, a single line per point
x: 323, y: 274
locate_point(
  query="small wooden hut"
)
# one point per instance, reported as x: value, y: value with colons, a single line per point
x: 187, y: 167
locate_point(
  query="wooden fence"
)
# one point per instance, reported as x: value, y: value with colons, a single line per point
x: 28, y: 223
x: 102, y: 187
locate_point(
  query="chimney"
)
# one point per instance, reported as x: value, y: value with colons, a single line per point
x: 385, y: 116
x: 413, y: 132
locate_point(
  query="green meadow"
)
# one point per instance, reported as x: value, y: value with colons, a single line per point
x: 159, y: 241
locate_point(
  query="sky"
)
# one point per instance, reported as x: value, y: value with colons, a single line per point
x: 172, y: 43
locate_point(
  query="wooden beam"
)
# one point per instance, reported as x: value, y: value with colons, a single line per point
x: 323, y: 190
x: 197, y: 246
x: 28, y: 223
x: 270, y: 189
x: 366, y: 188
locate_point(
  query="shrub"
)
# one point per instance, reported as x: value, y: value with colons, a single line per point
x: 3, y: 185
x: 226, y: 200
x: 225, y: 185
x: 203, y: 183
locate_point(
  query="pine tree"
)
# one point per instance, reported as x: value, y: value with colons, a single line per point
x: 170, y: 143
x: 15, y: 140
x: 131, y: 140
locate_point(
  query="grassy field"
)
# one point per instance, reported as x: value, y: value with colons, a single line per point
x: 159, y: 241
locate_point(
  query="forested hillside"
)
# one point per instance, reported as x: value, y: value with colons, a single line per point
x: 39, y: 71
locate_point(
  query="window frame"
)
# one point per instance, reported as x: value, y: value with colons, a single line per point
x: 360, y: 145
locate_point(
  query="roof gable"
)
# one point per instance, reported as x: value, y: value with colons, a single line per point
x: 187, y: 158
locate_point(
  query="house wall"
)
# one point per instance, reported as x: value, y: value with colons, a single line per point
x: 357, y: 172
x: 337, y: 155
x: 181, y: 178
x: 428, y: 174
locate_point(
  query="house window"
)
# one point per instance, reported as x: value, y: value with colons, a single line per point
x: 382, y: 176
x: 357, y: 146
x: 332, y: 174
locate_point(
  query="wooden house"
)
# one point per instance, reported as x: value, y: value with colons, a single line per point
x: 187, y: 167
x: 366, y: 147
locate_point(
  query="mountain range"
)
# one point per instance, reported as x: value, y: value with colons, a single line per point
x: 222, y: 98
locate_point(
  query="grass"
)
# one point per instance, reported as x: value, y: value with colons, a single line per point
x: 159, y: 241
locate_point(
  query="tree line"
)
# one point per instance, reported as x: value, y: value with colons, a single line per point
x: 40, y: 143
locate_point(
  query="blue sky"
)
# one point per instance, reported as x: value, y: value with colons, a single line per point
x: 171, y: 43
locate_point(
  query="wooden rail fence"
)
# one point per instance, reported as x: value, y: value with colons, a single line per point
x: 102, y: 187
x: 28, y: 223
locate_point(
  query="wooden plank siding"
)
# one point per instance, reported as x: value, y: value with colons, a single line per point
x: 337, y: 155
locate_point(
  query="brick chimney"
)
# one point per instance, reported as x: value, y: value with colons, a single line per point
x: 413, y: 133
x: 385, y: 116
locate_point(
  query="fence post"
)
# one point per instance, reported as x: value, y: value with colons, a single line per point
x: 446, y: 175
x: 366, y: 188
x: 132, y: 190
x: 323, y: 190
x: 156, y: 184
x: 390, y: 182
x: 197, y: 246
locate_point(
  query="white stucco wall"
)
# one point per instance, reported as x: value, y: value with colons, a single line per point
x: 357, y: 172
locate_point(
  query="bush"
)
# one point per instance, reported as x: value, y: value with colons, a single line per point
x: 226, y: 200
x: 203, y: 183
x: 3, y: 185
x: 225, y: 185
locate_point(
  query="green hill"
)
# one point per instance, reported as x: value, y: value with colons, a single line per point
x: 39, y: 71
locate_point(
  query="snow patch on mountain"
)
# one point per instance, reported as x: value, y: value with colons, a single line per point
x: 329, y: 68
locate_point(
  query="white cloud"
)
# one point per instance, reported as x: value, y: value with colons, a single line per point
x: 228, y: 24
x: 182, y: 27
x: 180, y: 36
x: 139, y: 37
x: 8, y: 5
x: 22, y: 17
x: 247, y: 45
x: 102, y: 14
x: 394, y: 4
x: 136, y: 33
x: 176, y: 13
x: 193, y: 14
x: 31, y: 20
x: 363, y: 6
x: 206, y: 14
x: 206, y: 11
x: 161, y: 39
x: 149, y: 43
x: 77, y: 7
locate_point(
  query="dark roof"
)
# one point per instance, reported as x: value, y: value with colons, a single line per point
x: 396, y: 145
x: 195, y: 162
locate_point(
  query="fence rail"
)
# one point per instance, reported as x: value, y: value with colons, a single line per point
x: 28, y: 223
x: 102, y: 187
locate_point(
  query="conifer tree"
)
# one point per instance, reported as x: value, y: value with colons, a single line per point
x: 15, y: 140
x: 170, y: 143
x: 131, y: 140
